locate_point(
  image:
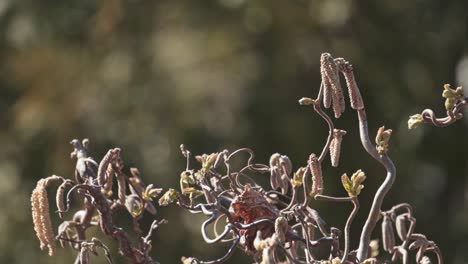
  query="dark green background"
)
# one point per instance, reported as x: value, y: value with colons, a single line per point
x: 147, y: 76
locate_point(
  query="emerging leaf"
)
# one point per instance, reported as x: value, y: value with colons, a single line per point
x: 169, y: 197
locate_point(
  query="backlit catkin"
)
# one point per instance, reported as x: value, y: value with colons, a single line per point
x: 121, y: 187
x: 41, y: 217
x: 109, y: 180
x: 103, y: 165
x: 388, y: 236
x: 60, y: 198
x: 316, y: 171
x: 327, y: 93
x: 330, y: 71
x: 326, y: 89
x: 335, y: 146
x: 353, y: 90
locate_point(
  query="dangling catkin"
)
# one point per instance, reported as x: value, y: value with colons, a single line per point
x: 327, y: 92
x: 41, y: 217
x: 335, y: 146
x: 281, y: 228
x: 316, y: 171
x: 400, y: 224
x: 330, y: 70
x: 36, y: 217
x: 109, y: 180
x: 60, y: 199
x: 122, y: 188
x: 353, y: 90
x: 101, y: 175
x: 388, y: 237
x: 326, y: 86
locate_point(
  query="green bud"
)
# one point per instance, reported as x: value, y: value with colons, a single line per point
x: 306, y: 101
x: 134, y: 205
x: 382, y: 139
x: 200, y: 175
x: 169, y: 197
x: 207, y: 161
x: 187, y: 178
x: 297, y: 178
x: 194, y: 195
x: 353, y: 186
x: 450, y: 103
x: 358, y: 178
x: 336, y: 261
x: 186, y: 260
x: 415, y: 121
x: 448, y: 92
x: 149, y: 193
x: 346, y: 183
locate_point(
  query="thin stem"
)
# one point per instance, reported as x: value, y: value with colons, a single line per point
x: 381, y: 192
x: 227, y: 255
x: 308, y: 253
x: 351, y: 217
x: 293, y: 200
x: 438, y: 252
x: 429, y: 116
x: 321, y: 197
x: 355, y: 202
x: 305, y: 185
x: 289, y: 257
x: 318, y: 109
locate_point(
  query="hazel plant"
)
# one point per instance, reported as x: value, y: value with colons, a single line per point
x: 274, y: 225
x: 455, y: 101
x: 280, y: 225
x: 94, y: 187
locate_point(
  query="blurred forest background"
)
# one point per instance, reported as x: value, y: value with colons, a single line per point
x: 147, y: 76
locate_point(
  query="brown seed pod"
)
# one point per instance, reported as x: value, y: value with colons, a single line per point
x: 388, y: 237
x: 335, y: 146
